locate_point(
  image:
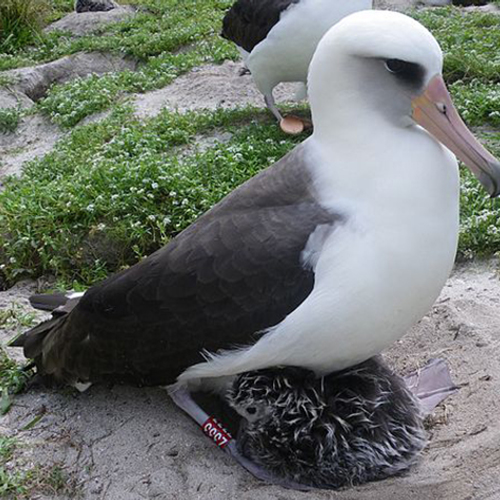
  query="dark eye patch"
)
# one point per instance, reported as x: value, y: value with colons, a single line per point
x: 407, y: 72
x: 251, y: 410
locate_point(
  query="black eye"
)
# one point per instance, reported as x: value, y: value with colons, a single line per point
x: 409, y: 73
x: 251, y: 410
x: 395, y: 65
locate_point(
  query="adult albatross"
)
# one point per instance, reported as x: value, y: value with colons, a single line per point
x: 320, y: 261
x: 277, y: 39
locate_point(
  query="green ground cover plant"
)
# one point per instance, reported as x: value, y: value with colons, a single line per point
x: 12, y: 380
x: 113, y: 191
x: 69, y: 103
x: 168, y: 38
x: 9, y: 119
x: 470, y: 42
x: 21, y: 22
x: 478, y: 102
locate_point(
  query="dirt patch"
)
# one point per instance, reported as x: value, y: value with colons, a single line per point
x: 209, y: 87
x: 490, y: 8
x: 35, y: 137
x: 125, y: 443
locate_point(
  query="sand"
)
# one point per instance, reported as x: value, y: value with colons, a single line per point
x: 120, y: 442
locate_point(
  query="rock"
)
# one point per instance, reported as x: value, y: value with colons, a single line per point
x: 35, y: 81
x: 87, y: 23
x: 11, y: 98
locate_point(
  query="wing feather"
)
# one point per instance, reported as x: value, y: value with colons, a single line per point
x: 233, y: 273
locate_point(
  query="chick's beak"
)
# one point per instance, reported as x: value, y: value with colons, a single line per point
x: 434, y: 111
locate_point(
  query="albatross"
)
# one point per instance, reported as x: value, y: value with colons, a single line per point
x: 277, y: 39
x: 320, y: 261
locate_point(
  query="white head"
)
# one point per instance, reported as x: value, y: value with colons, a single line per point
x: 379, y: 69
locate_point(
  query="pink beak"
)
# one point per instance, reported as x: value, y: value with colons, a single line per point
x: 434, y: 111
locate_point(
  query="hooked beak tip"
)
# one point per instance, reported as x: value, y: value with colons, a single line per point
x: 495, y: 189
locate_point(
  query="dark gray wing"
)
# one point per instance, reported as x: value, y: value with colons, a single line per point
x: 248, y: 22
x: 236, y: 271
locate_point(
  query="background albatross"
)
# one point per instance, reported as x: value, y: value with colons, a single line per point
x: 322, y: 260
x: 277, y: 39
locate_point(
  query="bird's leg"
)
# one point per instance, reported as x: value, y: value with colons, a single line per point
x: 209, y: 425
x: 213, y: 429
x: 182, y: 398
x: 271, y: 105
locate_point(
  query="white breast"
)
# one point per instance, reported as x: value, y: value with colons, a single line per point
x: 378, y: 272
x: 284, y: 55
x: 382, y: 270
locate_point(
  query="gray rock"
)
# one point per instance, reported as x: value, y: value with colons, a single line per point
x: 35, y: 81
x: 86, y: 23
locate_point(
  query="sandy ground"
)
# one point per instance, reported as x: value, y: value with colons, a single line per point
x: 120, y: 442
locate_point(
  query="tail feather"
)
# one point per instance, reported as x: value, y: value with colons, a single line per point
x: 48, y: 302
x: 32, y: 341
x: 38, y: 343
x: 55, y: 301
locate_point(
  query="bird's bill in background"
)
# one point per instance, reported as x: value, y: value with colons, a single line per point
x: 434, y: 111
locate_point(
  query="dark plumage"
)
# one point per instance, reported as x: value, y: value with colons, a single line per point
x: 350, y: 427
x: 248, y: 22
x: 236, y: 271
